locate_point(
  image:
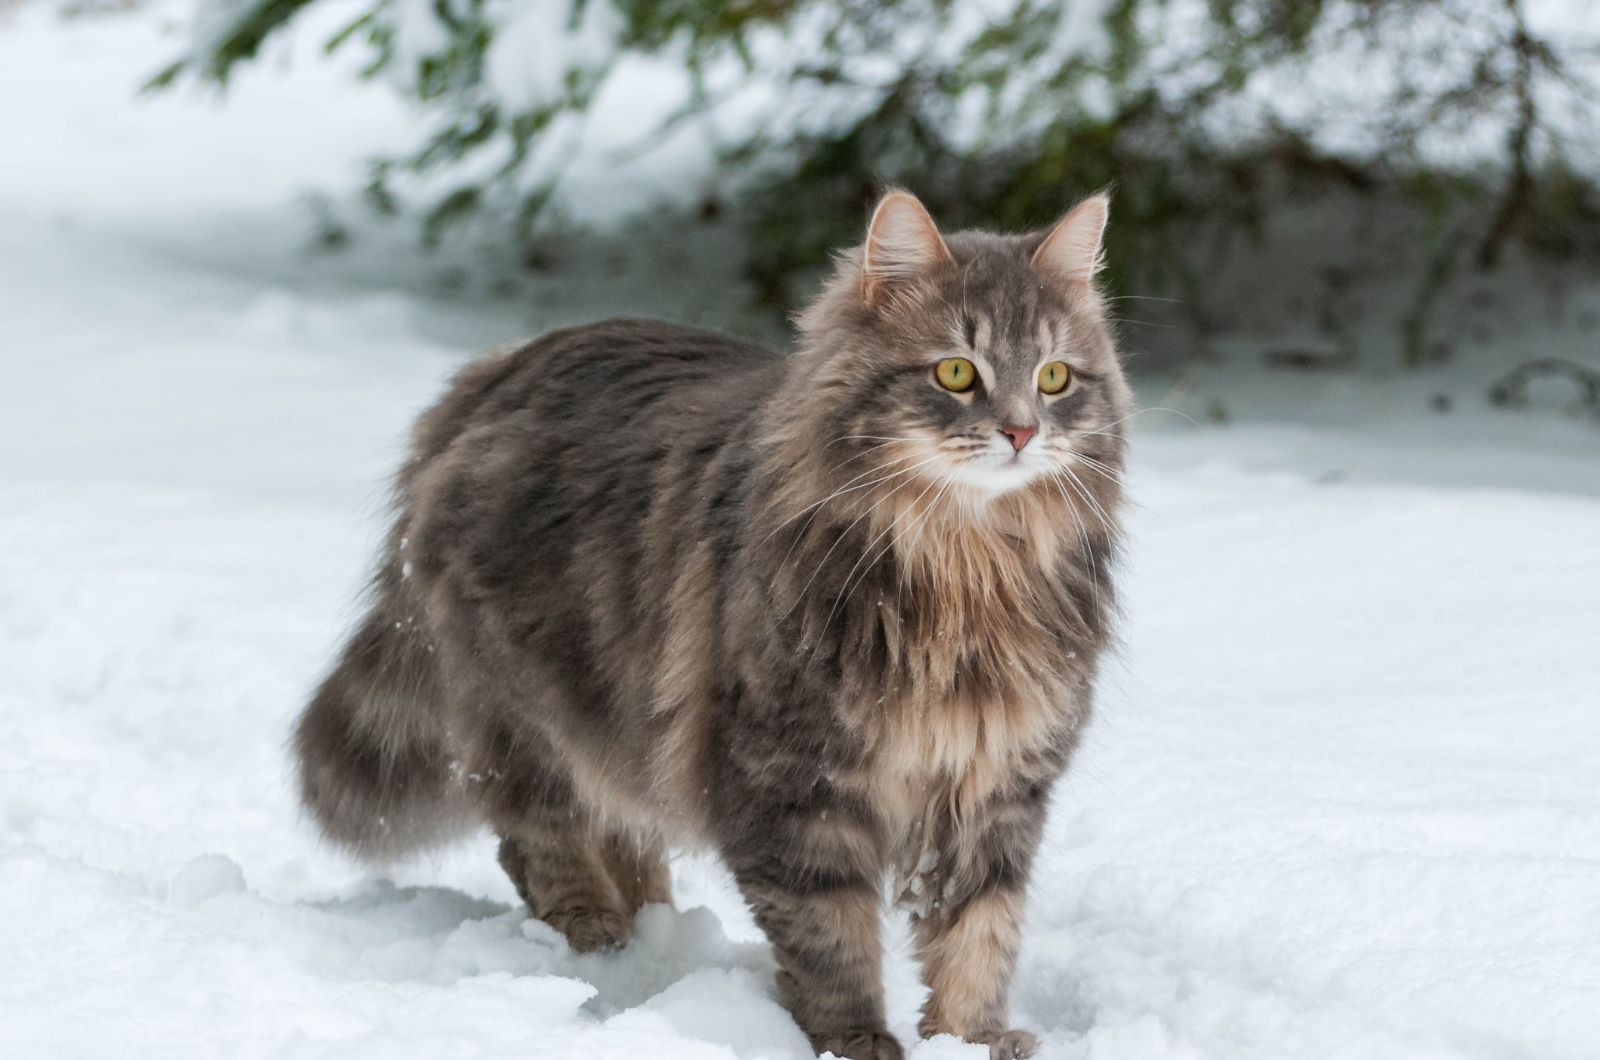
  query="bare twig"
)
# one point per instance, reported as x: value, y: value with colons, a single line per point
x: 1512, y: 389
x: 1519, y: 182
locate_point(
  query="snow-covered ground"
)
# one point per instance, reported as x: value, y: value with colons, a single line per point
x: 1342, y: 798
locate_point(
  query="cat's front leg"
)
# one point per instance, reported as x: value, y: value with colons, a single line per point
x: 968, y: 936
x: 806, y: 860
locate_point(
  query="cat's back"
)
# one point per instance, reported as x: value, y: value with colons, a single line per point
x: 634, y: 364
x: 553, y: 484
x: 603, y: 377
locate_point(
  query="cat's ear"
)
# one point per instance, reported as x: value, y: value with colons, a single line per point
x: 902, y: 243
x: 1071, y: 252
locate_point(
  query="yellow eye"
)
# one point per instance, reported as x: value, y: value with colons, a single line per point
x: 1054, y: 377
x: 956, y: 373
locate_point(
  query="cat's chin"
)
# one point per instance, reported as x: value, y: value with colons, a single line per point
x: 989, y: 479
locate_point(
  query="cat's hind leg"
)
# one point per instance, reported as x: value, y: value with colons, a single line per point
x: 562, y: 876
x: 550, y: 844
x: 587, y: 884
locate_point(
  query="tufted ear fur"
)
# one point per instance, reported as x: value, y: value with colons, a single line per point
x: 1071, y: 252
x: 902, y: 242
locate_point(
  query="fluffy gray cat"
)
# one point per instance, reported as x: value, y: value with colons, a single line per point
x: 835, y: 615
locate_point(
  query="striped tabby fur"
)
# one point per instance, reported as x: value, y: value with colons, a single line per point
x: 652, y: 586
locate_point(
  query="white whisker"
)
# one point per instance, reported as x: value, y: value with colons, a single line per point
x: 844, y: 594
x: 1083, y: 539
x: 1131, y: 415
x: 848, y: 487
x: 1104, y: 470
x: 846, y: 531
x: 1083, y: 489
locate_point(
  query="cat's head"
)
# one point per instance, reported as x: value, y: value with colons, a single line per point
x: 979, y: 363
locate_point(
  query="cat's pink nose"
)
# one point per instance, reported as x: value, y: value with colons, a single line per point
x: 1019, y: 435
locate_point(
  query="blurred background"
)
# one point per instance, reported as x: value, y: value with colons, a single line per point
x: 1305, y: 189
x: 1301, y: 185
x: 1340, y: 797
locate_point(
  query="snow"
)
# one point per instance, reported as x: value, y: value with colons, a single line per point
x: 420, y: 34
x: 1341, y: 798
x: 537, y: 44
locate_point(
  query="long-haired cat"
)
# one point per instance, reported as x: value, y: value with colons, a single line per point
x: 835, y: 615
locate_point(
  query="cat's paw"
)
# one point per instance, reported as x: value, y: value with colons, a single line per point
x: 1011, y: 1045
x: 588, y: 930
x: 859, y: 1045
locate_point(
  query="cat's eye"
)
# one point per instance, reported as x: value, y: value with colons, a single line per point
x: 956, y: 374
x: 1054, y: 377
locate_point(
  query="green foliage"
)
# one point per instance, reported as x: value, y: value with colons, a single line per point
x: 995, y: 120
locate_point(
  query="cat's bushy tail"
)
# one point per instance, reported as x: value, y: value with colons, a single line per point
x: 374, y: 769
